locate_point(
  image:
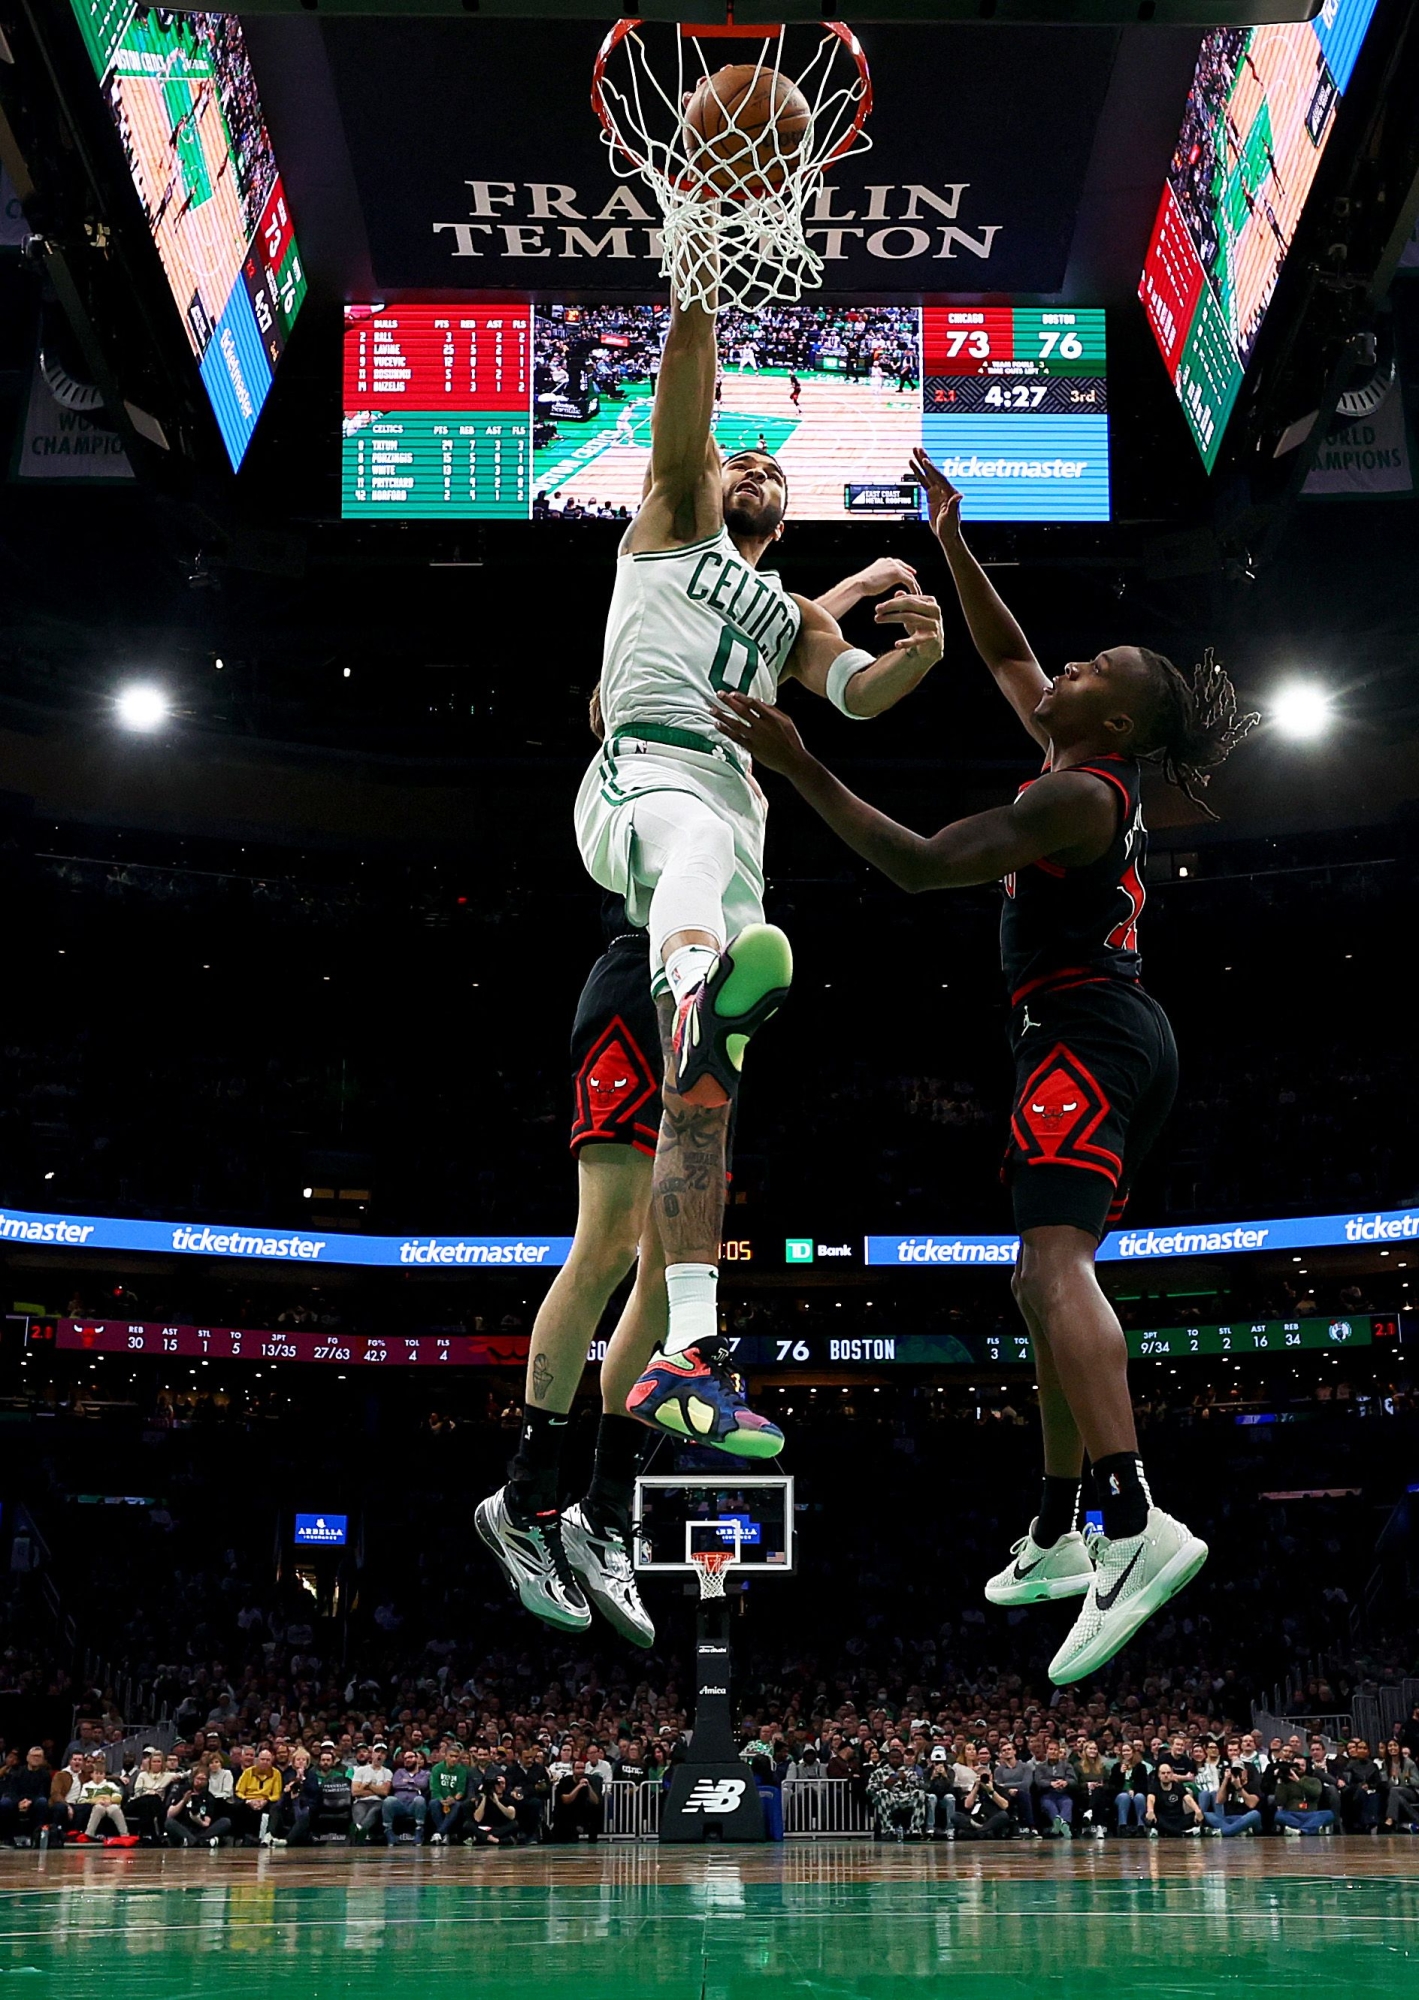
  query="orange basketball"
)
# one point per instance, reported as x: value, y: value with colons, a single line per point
x: 752, y: 119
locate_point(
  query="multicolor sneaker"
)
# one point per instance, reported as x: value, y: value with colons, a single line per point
x: 599, y: 1554
x: 749, y: 983
x: 1133, y: 1577
x: 1038, y: 1576
x: 696, y: 1395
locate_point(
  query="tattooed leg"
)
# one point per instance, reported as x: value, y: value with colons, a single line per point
x: 613, y: 1201
x: 689, y: 1203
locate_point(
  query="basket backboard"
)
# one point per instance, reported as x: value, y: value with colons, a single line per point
x: 750, y: 1514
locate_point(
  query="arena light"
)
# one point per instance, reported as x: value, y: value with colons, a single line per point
x: 1302, y: 710
x: 142, y: 705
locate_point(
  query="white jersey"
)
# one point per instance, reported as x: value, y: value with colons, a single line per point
x: 686, y: 624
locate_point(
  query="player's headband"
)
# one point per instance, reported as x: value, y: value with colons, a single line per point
x: 753, y: 451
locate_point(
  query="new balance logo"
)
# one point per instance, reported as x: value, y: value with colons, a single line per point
x: 715, y: 1795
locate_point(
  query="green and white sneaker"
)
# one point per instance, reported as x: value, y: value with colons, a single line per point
x: 1133, y: 1577
x: 748, y: 983
x: 1038, y: 1576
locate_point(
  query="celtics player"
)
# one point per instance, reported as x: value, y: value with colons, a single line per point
x: 1095, y: 1062
x: 561, y: 1562
x: 670, y: 818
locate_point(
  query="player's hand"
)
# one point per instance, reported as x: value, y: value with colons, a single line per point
x: 885, y: 574
x: 943, y: 500
x: 765, y: 732
x: 921, y: 617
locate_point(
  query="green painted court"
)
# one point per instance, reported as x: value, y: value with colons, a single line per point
x: 629, y: 1922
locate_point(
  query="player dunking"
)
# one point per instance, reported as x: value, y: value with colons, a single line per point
x: 670, y: 818
x: 560, y: 1563
x: 1096, y: 1067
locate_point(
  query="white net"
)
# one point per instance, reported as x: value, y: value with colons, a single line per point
x: 733, y: 193
x: 712, y: 1566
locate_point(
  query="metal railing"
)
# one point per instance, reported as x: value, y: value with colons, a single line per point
x: 822, y: 1808
x: 633, y: 1810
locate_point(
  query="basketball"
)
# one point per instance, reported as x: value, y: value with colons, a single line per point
x: 751, y: 118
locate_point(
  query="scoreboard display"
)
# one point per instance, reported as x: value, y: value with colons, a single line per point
x: 875, y: 1350
x: 1260, y: 113
x: 180, y: 90
x: 521, y: 413
x: 437, y: 417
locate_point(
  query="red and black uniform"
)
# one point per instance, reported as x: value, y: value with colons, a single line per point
x: 1096, y: 1067
x: 616, y: 1059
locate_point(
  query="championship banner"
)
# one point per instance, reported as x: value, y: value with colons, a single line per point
x: 519, y: 193
x: 59, y: 443
x: 1368, y: 455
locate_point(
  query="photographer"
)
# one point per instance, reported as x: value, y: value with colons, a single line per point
x: 576, y: 1804
x: 195, y: 1820
x: 1171, y: 1810
x: 985, y: 1813
x: 500, y: 1813
x: 1298, y: 1806
x: 1236, y: 1807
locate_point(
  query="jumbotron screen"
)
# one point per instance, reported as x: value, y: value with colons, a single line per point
x: 1260, y: 114
x: 182, y: 94
x: 521, y: 413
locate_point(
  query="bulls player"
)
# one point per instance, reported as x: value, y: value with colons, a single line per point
x: 1095, y: 1063
x: 556, y: 1560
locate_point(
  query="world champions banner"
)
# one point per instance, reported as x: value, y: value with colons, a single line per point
x: 956, y: 196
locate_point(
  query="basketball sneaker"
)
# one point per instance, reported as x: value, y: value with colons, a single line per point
x: 1133, y: 1577
x: 1039, y: 1576
x: 697, y: 1395
x: 598, y: 1553
x: 531, y: 1556
x: 748, y: 983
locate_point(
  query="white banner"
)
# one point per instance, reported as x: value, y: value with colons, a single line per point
x: 65, y: 444
x: 1369, y: 457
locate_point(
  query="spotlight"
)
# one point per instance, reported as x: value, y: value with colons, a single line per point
x: 1301, y: 710
x: 140, y: 705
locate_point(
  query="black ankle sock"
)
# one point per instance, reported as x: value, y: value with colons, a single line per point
x: 620, y: 1451
x: 1059, y: 1509
x: 1123, y: 1494
x: 533, y: 1474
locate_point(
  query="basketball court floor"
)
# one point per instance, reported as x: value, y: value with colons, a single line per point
x: 832, y: 1919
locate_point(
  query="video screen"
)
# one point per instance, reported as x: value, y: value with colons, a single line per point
x: 1259, y: 116
x: 522, y: 413
x: 182, y: 95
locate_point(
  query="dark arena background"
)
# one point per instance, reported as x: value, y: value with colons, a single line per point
x: 330, y: 333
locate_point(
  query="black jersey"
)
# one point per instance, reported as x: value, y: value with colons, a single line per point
x: 1058, y: 924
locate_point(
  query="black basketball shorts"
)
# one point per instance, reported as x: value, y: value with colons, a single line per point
x: 616, y: 1061
x: 1096, y: 1072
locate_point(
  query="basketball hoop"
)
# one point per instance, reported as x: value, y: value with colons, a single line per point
x: 712, y: 1564
x: 733, y: 206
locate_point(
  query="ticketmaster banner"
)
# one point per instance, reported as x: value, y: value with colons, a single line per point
x: 548, y: 1253
x: 288, y: 1246
x: 1204, y: 1239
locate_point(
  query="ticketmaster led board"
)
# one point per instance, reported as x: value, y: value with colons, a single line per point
x: 182, y: 94
x: 1260, y: 113
x: 518, y: 412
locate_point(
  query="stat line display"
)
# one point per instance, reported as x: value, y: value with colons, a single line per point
x: 523, y: 413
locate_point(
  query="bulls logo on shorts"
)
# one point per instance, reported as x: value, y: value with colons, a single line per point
x: 1057, y: 1114
x: 616, y: 1091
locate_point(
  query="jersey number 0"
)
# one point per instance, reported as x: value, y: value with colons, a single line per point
x: 727, y: 672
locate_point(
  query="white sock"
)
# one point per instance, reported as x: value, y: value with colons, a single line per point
x: 692, y: 1291
x: 684, y: 969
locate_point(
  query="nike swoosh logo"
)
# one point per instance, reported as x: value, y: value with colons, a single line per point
x: 1107, y: 1599
x: 1022, y: 1570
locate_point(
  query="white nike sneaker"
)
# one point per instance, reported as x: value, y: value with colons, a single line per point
x: 1038, y: 1576
x: 532, y: 1558
x: 1133, y: 1577
x: 602, y: 1562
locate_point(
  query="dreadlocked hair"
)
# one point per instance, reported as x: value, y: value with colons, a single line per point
x: 1195, y: 725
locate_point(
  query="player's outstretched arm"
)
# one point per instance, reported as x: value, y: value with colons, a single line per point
x: 683, y: 501
x: 996, y: 636
x: 1067, y: 815
x: 884, y: 574
x: 853, y: 681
